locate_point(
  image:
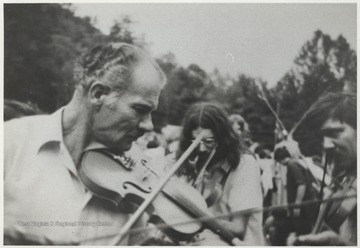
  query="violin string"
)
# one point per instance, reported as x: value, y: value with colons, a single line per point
x: 233, y: 214
x: 245, y: 212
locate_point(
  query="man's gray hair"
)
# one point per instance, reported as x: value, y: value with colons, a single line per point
x: 100, y: 59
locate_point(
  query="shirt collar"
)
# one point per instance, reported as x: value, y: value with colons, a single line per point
x: 51, y: 129
x: 51, y: 137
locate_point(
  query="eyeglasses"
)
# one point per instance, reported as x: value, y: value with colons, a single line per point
x: 207, y: 142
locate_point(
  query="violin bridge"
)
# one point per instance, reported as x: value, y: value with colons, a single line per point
x: 146, y: 174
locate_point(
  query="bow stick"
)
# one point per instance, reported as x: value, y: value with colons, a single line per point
x: 156, y: 191
x: 241, y: 212
x: 262, y: 96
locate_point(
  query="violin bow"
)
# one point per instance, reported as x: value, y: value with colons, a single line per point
x: 241, y: 212
x: 250, y: 211
x: 283, y: 130
x: 200, y: 176
x: 116, y: 240
x: 263, y: 97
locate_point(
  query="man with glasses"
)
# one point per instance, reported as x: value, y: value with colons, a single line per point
x: 224, y: 171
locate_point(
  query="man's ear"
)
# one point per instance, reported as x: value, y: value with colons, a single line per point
x: 97, y: 92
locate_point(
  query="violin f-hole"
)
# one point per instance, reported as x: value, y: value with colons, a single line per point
x: 147, y: 191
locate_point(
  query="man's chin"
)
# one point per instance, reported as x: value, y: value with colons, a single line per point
x: 125, y: 147
x: 121, y: 148
x: 343, y: 166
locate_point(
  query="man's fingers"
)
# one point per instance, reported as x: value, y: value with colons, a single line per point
x: 291, y: 240
x: 324, y: 238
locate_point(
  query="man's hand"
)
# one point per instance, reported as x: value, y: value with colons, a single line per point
x: 237, y: 242
x: 296, y: 212
x: 19, y: 237
x: 328, y: 238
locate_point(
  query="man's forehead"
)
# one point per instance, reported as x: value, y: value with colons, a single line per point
x: 146, y: 84
x: 207, y: 133
x: 146, y: 71
x: 151, y: 100
x: 332, y: 124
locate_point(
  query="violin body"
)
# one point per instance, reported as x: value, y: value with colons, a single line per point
x: 127, y: 183
x: 333, y: 214
x: 116, y: 179
x: 337, y: 212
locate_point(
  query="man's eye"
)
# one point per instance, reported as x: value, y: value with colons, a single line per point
x: 142, y: 110
x: 330, y: 133
x: 241, y: 125
x: 209, y: 141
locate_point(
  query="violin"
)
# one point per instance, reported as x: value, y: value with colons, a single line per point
x: 214, y: 189
x: 333, y: 214
x: 135, y: 188
x: 127, y: 183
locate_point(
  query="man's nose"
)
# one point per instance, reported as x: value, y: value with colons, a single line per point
x: 328, y: 143
x: 236, y: 125
x: 146, y: 123
x: 202, y: 147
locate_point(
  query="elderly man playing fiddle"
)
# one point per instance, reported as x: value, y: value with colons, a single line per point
x: 336, y: 116
x: 45, y: 202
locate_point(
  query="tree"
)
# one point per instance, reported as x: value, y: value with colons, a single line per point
x: 169, y: 65
x: 185, y: 86
x: 323, y: 65
x: 121, y: 31
x: 41, y: 43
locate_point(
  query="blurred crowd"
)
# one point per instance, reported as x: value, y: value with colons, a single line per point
x: 250, y: 193
x: 286, y: 177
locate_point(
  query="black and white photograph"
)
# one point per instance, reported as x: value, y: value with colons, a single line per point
x: 180, y: 124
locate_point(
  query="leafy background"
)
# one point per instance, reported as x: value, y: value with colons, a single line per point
x: 42, y: 41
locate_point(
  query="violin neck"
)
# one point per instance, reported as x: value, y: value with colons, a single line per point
x: 333, y: 214
x: 217, y: 228
x: 200, y: 175
x: 319, y: 220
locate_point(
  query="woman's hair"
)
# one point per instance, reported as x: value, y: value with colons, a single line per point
x: 213, y: 117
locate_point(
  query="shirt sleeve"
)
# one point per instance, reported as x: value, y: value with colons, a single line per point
x: 11, y: 135
x: 15, y: 135
x: 245, y: 192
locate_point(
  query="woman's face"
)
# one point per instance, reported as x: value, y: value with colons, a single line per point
x: 208, y: 141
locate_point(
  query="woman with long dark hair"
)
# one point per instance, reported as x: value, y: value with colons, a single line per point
x: 223, y: 170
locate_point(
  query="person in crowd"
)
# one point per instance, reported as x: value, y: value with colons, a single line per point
x: 298, y: 187
x: 45, y: 201
x: 276, y: 227
x: 15, y: 109
x: 334, y: 115
x: 224, y: 172
x: 241, y: 127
